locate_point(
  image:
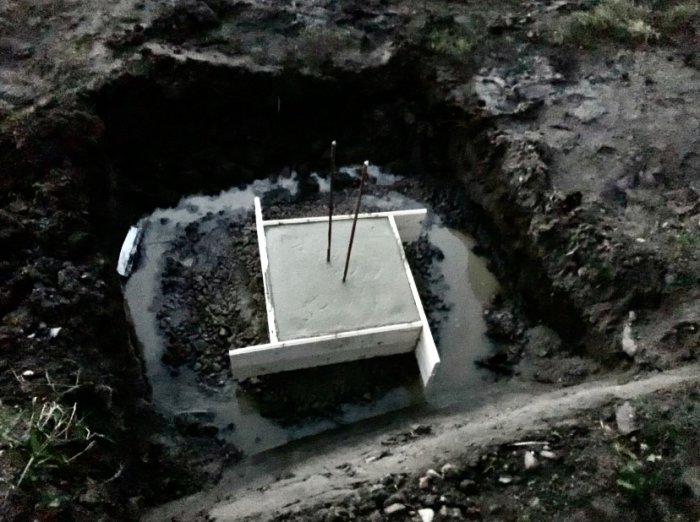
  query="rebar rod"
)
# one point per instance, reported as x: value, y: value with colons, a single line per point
x: 354, y: 221
x: 330, y: 202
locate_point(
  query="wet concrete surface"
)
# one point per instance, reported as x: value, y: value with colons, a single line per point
x: 309, y: 296
x: 459, y: 278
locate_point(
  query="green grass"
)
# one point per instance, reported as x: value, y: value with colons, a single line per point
x: 623, y: 21
x: 44, y: 438
x: 630, y: 22
x: 452, y: 42
x: 633, y: 477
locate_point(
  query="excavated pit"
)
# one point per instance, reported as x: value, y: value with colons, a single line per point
x: 193, y: 128
x: 226, y: 134
x: 198, y: 291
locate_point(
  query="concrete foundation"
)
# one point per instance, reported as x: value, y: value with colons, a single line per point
x: 314, y: 318
x: 308, y: 294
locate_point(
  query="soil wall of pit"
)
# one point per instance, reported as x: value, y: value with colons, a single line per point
x: 76, y: 177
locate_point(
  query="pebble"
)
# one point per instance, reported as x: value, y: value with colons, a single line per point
x: 467, y: 486
x: 625, y: 418
x: 530, y: 460
x: 548, y: 454
x: 394, y: 509
x: 448, y: 471
x: 426, y: 515
x: 432, y: 474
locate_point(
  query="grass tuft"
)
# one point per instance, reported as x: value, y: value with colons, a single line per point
x: 622, y: 21
x: 43, y: 438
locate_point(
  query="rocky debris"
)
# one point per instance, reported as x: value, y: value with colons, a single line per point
x: 210, y: 307
x: 421, y: 256
x: 503, y: 325
x: 64, y: 201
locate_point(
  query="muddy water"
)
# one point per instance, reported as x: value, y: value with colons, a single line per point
x: 466, y: 286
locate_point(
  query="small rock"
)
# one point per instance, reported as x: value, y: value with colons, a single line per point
x: 396, y: 498
x: 548, y: 454
x: 53, y: 332
x: 28, y: 374
x: 448, y: 471
x: 424, y: 483
x: 432, y: 474
x: 625, y: 418
x: 629, y: 345
x: 505, y: 479
x: 394, y: 509
x: 530, y: 460
x: 589, y: 111
x: 691, y: 478
x: 426, y: 515
x: 467, y: 486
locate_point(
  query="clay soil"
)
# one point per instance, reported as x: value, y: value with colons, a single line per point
x: 573, y: 162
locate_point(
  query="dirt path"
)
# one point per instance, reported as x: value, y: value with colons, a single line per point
x: 331, y: 467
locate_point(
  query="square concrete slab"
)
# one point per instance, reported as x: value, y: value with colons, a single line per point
x: 315, y: 319
x: 308, y: 295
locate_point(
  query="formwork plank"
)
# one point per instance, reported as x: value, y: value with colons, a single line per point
x: 426, y: 351
x: 409, y: 222
x: 265, y: 265
x: 323, y: 350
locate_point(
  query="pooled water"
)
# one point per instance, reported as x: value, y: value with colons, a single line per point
x: 467, y: 286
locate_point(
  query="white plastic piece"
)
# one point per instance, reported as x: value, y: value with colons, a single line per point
x: 127, y: 255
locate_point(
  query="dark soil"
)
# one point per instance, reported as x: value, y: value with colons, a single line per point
x: 575, y: 169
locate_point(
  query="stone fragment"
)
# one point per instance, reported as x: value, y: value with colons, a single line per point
x: 448, y: 471
x: 625, y: 418
x: 394, y: 509
x: 426, y: 515
x: 530, y: 460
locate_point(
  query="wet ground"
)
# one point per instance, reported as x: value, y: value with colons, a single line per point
x: 456, y: 287
x: 578, y: 161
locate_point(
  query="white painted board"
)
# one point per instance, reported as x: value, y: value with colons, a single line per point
x: 426, y: 351
x: 408, y: 222
x: 262, y: 246
x: 323, y: 350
